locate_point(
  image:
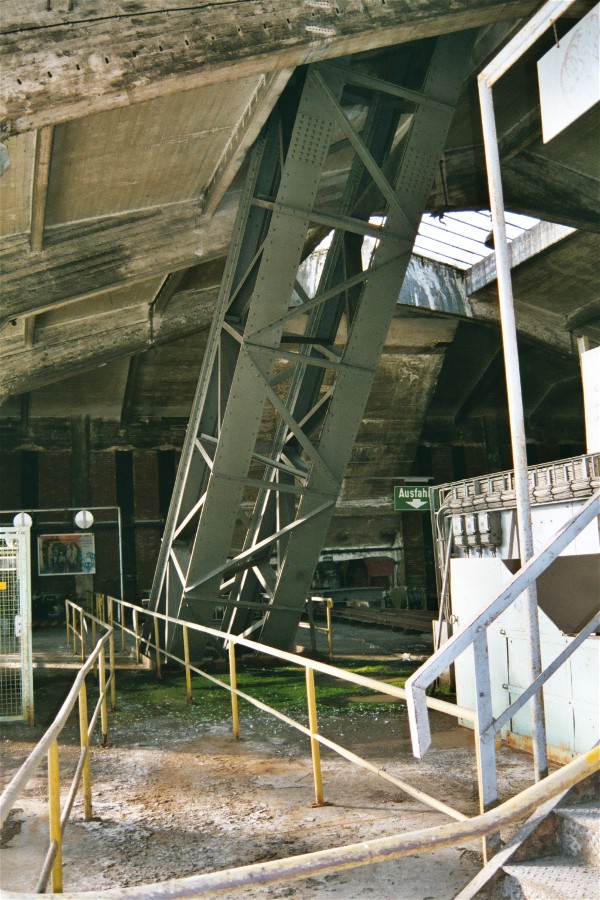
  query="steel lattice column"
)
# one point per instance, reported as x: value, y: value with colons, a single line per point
x: 277, y: 411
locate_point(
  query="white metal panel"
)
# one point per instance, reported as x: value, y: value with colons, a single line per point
x: 474, y: 584
x: 585, y: 678
x: 548, y: 519
x: 571, y: 695
x: 568, y: 76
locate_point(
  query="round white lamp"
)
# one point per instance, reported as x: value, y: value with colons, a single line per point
x: 22, y: 520
x: 84, y: 519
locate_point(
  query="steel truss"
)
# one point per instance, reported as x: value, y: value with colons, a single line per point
x: 286, y: 376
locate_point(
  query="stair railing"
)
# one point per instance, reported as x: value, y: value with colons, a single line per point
x: 475, y: 635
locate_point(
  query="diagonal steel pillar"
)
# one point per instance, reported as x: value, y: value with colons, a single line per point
x: 286, y: 377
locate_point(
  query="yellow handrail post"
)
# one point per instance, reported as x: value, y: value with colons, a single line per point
x: 74, y: 612
x: 54, y: 815
x: 123, y: 633
x: 136, y: 628
x: 233, y: 685
x: 314, y: 744
x: 111, y: 657
x: 85, y: 746
x: 67, y: 622
x: 81, y: 616
x: 95, y: 668
x: 186, y: 656
x: 328, y: 606
x: 157, y: 642
x: 103, y: 704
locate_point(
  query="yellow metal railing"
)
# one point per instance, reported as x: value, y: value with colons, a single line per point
x: 111, y: 614
x: 48, y: 746
x: 129, y: 618
x: 351, y: 856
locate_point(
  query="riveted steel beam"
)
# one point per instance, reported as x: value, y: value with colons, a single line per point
x: 276, y: 412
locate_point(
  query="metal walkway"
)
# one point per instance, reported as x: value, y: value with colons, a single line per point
x: 286, y: 376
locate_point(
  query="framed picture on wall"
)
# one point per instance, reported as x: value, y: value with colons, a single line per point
x: 66, y: 554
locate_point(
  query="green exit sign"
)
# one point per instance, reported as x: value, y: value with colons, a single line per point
x: 411, y: 498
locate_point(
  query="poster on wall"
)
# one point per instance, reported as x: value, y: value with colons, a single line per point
x: 66, y: 554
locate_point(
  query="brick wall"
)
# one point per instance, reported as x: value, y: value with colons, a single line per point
x: 102, y: 479
x: 145, y: 484
x: 10, y: 480
x: 55, y: 479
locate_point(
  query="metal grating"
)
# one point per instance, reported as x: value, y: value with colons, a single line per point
x: 11, y: 680
x: 16, y: 665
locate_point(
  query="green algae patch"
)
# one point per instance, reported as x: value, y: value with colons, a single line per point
x: 282, y: 688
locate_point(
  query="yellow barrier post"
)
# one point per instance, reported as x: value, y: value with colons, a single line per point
x: 157, y: 642
x: 186, y: 656
x: 86, y: 781
x: 136, y: 628
x: 111, y: 657
x: 328, y: 606
x: 54, y: 815
x: 233, y: 685
x: 74, y: 611
x: 103, y: 704
x: 314, y: 744
x: 67, y: 623
x: 95, y: 668
x: 82, y: 623
x: 123, y: 632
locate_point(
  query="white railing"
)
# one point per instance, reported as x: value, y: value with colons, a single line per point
x: 475, y: 635
x: 575, y: 478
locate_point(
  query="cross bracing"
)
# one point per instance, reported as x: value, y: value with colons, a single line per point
x: 286, y: 376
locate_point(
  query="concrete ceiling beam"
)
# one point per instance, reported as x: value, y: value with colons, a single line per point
x: 83, y: 259
x: 68, y: 348
x: 70, y: 64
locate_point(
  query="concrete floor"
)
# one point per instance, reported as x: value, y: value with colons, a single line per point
x: 174, y: 794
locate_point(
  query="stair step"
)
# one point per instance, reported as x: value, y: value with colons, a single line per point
x: 580, y: 832
x: 552, y: 878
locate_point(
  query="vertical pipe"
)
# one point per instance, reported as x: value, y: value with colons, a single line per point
x: 54, y: 815
x: 67, y: 621
x: 515, y: 411
x: 188, y: 674
x: 103, y: 704
x: 74, y: 629
x: 233, y: 684
x: 86, y: 782
x: 314, y: 744
x: 157, y: 642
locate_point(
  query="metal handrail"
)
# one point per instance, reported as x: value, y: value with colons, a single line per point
x: 47, y: 747
x: 582, y: 470
x: 475, y: 635
x: 310, y: 666
x: 350, y: 856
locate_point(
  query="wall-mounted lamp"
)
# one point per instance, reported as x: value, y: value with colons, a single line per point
x: 22, y: 520
x: 84, y: 519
